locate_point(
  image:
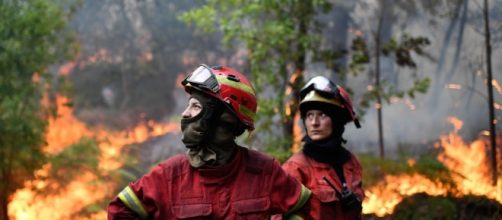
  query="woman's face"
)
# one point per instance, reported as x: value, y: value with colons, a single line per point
x: 193, y: 108
x: 318, y: 125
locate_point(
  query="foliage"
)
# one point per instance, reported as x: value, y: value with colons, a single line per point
x: 401, y: 51
x: 33, y: 35
x: 74, y: 160
x: 278, y: 36
x: 422, y: 206
x: 376, y: 168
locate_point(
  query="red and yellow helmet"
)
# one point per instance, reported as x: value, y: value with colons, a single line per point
x: 227, y: 85
x: 322, y: 90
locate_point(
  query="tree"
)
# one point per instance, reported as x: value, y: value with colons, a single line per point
x: 33, y: 35
x: 492, y: 120
x: 399, y: 50
x: 278, y: 35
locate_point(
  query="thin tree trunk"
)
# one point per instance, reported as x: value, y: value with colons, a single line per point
x: 377, y: 85
x: 443, y: 54
x: 6, y: 177
x: 458, y: 46
x: 4, y: 192
x: 3, y: 208
x: 490, y: 94
x: 296, y: 80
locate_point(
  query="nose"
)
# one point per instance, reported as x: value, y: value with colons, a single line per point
x: 186, y: 113
x: 315, y: 120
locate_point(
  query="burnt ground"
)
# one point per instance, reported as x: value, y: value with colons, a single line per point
x: 423, y: 206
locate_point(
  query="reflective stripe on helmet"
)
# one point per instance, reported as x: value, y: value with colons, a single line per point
x: 237, y: 85
x: 303, y: 198
x: 294, y: 217
x: 128, y: 197
x: 312, y: 96
x: 247, y: 112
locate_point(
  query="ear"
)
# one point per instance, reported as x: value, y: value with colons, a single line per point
x: 239, y: 130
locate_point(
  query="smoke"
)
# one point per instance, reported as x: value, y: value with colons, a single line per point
x: 462, y: 93
x: 132, y: 52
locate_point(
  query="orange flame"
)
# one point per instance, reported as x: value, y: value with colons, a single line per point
x: 83, y: 191
x: 467, y: 163
x: 297, y: 133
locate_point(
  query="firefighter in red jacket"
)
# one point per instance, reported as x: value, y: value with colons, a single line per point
x: 216, y: 178
x: 330, y: 171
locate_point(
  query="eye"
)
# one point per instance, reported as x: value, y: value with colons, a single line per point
x: 196, y: 106
x: 310, y: 115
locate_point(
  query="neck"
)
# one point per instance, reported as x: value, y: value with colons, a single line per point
x: 328, y: 151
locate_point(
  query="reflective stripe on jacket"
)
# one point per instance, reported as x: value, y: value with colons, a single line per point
x: 251, y: 186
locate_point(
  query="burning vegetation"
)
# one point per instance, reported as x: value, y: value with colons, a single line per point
x: 78, y: 189
x: 468, y: 175
x: 83, y: 194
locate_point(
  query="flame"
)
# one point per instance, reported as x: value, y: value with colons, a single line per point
x: 66, y: 68
x: 497, y: 106
x: 407, y: 102
x: 297, y: 133
x: 378, y: 106
x: 382, y: 198
x: 497, y: 86
x: 454, y: 86
x: 85, y: 190
x: 146, y: 56
x: 468, y: 164
x: 35, y: 78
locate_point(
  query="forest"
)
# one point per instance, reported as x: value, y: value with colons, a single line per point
x: 91, y: 95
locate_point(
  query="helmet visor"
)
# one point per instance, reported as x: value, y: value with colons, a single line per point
x: 202, y: 78
x: 321, y: 85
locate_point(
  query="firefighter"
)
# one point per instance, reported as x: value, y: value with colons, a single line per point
x: 216, y: 178
x: 324, y: 165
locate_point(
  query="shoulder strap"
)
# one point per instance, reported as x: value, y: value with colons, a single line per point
x: 339, y: 173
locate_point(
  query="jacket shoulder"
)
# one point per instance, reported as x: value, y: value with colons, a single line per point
x: 298, y: 159
x: 354, y: 161
x: 175, y: 166
x: 257, y: 162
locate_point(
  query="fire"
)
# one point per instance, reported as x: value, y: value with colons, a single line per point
x: 85, y: 190
x: 297, y: 133
x: 382, y: 198
x: 469, y: 168
x: 470, y: 163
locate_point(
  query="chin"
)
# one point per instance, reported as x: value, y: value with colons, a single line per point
x: 318, y: 137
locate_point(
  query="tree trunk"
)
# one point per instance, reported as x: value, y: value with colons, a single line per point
x: 3, y: 205
x: 5, y: 176
x: 4, y: 199
x: 296, y: 79
x: 443, y: 54
x: 295, y: 83
x: 492, y: 121
x: 379, y: 105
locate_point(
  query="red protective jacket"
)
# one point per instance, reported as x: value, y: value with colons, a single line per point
x: 251, y: 186
x: 324, y: 203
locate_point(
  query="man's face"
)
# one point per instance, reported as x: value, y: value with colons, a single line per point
x: 318, y: 125
x: 193, y: 108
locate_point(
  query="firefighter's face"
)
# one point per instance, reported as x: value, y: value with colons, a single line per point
x: 193, y: 108
x: 318, y: 125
